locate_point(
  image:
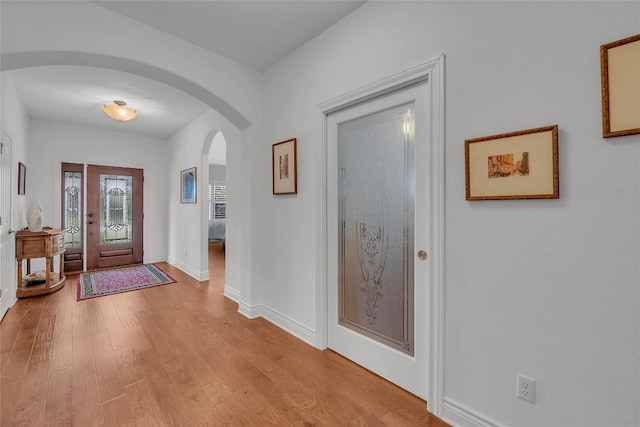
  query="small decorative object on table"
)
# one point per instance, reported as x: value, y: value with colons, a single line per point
x: 34, y: 216
x: 36, y: 276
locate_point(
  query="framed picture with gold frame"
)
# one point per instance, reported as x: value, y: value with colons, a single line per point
x: 284, y: 167
x: 514, y: 165
x: 620, y: 72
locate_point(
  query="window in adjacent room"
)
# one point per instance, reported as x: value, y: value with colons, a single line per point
x: 217, y: 201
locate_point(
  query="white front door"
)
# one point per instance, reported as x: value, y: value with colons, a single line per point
x: 7, y: 280
x: 377, y: 222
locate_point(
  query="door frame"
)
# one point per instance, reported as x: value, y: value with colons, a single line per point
x: 431, y: 72
x: 7, y: 265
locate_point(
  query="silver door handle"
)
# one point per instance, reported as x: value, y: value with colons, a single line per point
x: 422, y: 255
x: 12, y: 231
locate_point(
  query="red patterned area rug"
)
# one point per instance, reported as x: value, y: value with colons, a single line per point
x: 109, y: 282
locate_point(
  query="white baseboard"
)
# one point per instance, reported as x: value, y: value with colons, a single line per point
x: 10, y: 303
x: 232, y: 294
x: 459, y: 416
x: 249, y: 311
x: 283, y: 322
x: 200, y: 276
x: 152, y: 259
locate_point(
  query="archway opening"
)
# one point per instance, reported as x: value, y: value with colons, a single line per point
x: 216, y: 206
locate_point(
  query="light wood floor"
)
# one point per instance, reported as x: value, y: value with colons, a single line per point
x: 179, y: 354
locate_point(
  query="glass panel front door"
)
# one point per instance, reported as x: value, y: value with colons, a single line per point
x: 114, y: 216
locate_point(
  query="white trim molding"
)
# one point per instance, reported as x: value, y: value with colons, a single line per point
x: 230, y: 293
x: 433, y: 72
x: 200, y: 276
x: 296, y: 329
x: 459, y: 416
x: 153, y: 259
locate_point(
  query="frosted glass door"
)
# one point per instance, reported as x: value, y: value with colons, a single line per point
x: 376, y: 210
x: 375, y: 155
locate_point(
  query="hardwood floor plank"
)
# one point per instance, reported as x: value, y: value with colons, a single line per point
x: 87, y: 407
x: 118, y: 413
x: 110, y: 381
x: 83, y: 362
x: 15, y: 366
x: 129, y: 366
x: 143, y: 403
x: 9, y: 399
x: 61, y: 355
x: 179, y: 355
x: 59, y: 406
x: 152, y: 420
x: 9, y: 330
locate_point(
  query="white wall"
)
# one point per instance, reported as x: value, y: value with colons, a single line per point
x: 51, y: 143
x: 547, y: 288
x: 16, y: 123
x: 216, y: 173
x: 218, y: 150
x: 188, y: 222
x: 14, y: 120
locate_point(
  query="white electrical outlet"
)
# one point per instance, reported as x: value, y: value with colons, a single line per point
x: 526, y: 388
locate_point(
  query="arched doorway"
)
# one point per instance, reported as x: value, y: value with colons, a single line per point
x: 215, y: 204
x: 235, y: 119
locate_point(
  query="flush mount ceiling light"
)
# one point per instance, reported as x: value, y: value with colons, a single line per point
x: 119, y: 111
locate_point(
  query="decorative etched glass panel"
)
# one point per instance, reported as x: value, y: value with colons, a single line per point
x: 116, y: 211
x: 375, y: 156
x: 72, y: 209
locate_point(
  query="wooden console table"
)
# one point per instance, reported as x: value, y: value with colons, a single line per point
x: 40, y: 244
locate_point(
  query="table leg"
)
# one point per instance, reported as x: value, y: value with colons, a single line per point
x: 48, y: 269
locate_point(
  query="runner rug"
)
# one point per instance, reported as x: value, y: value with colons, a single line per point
x: 109, y: 282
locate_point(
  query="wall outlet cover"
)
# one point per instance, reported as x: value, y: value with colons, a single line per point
x: 526, y: 388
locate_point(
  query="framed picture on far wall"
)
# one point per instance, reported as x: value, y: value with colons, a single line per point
x: 620, y: 70
x: 515, y: 165
x: 188, y: 182
x: 284, y: 167
x: 22, y: 178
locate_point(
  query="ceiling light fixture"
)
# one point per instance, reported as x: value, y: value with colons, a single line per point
x: 119, y: 111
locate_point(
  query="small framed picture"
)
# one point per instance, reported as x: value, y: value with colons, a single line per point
x: 620, y: 72
x: 22, y: 178
x: 188, y: 183
x: 515, y: 165
x: 284, y: 167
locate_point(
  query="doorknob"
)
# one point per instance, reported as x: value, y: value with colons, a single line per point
x: 11, y: 231
x: 422, y: 255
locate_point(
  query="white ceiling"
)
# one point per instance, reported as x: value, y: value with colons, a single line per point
x: 76, y: 94
x: 254, y: 33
